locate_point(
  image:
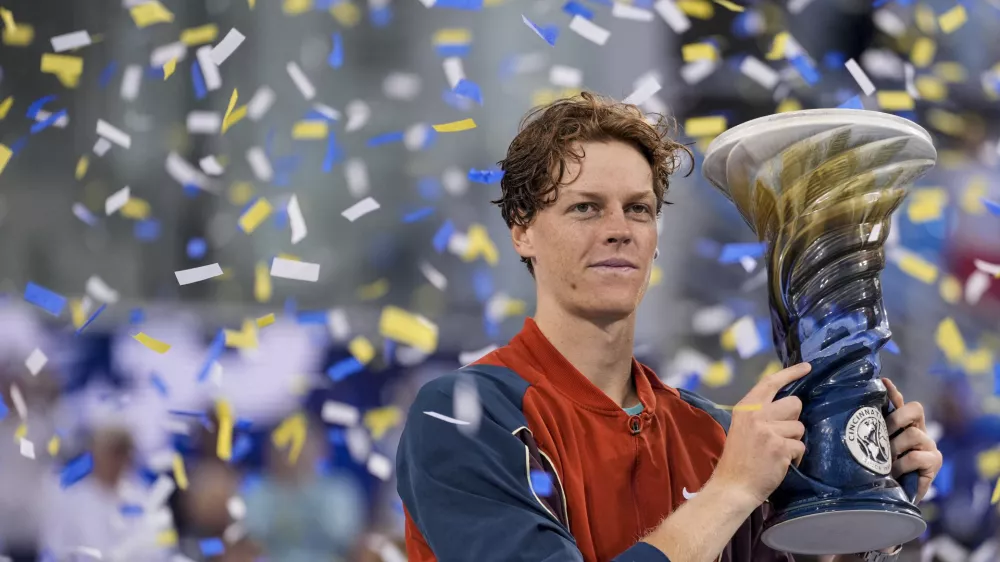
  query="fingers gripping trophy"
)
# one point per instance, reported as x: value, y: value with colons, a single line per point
x: 818, y: 187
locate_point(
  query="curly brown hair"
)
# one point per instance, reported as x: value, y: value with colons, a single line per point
x: 550, y: 136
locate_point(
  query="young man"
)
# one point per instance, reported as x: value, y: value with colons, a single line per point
x: 580, y: 452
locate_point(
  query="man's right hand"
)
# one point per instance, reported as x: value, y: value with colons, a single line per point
x: 765, y: 436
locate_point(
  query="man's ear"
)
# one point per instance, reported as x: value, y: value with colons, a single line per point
x: 522, y: 241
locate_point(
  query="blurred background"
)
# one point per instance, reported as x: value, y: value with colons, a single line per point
x: 268, y: 428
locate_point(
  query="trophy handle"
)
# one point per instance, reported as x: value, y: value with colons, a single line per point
x: 911, y: 480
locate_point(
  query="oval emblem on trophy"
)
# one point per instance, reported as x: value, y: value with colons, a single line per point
x: 868, y: 440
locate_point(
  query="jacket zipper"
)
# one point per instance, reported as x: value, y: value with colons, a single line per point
x: 635, y: 428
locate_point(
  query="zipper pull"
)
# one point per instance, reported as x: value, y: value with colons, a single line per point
x: 634, y: 424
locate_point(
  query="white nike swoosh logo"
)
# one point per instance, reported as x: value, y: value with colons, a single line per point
x: 688, y: 495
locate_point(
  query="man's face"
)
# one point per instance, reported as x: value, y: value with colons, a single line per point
x: 592, y: 248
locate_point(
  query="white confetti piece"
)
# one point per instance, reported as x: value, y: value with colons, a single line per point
x: 215, y: 373
x: 796, y: 6
x: 59, y: 123
x: 210, y: 164
x: 97, y: 288
x: 453, y: 71
x: 908, y: 73
x: 159, y: 493
x: 359, y: 445
x: 647, y: 87
x: 70, y: 41
x: 589, y: 30
x: 81, y: 212
x: 860, y: 77
x: 673, y: 15
x: 336, y: 322
x: 340, y: 413
x: 234, y: 533
x: 113, y: 134
x: 260, y: 103
x: 296, y: 221
x: 466, y: 405
x: 301, y: 81
x: 27, y: 449
x: 260, y: 165
x: 468, y: 357
x: 166, y: 53
x: 565, y: 76
x: 712, y: 319
x: 749, y: 264
x: 117, y: 200
x: 358, y: 113
x: 428, y: 3
x: 131, y: 81
x: 445, y: 418
x: 434, y: 276
x: 748, y: 341
x: 759, y: 72
x: 236, y: 507
x: 380, y: 466
x: 196, y: 274
x: 976, y: 286
x: 455, y: 181
x: 89, y: 551
x: 36, y: 361
x: 360, y: 209
x: 694, y: 72
x: 987, y: 267
x: 416, y: 136
x: 628, y: 12
x: 298, y: 270
x: 226, y: 47
x: 102, y: 146
x: 327, y: 111
x: 209, y: 71
x: 183, y: 172
x: 18, y: 399
x: 401, y: 86
x: 387, y: 550
x: 889, y: 23
x: 356, y: 174
x: 204, y: 122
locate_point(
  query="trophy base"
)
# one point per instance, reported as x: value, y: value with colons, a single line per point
x: 842, y: 527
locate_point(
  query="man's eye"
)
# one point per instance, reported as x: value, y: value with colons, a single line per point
x: 582, y: 207
x: 640, y: 208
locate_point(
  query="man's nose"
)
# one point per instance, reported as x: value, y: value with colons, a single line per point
x: 617, y: 229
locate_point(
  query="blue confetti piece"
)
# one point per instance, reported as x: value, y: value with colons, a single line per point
x: 806, y: 69
x: 3, y: 410
x: 380, y: 17
x: 453, y: 50
x: 541, y: 483
x: 323, y: 5
x: 996, y: 379
x: 147, y: 230
x: 155, y: 72
x: 853, y: 103
x: 92, y: 318
x: 312, y: 317
x: 241, y: 448
x: 469, y: 89
x: 160, y: 384
x: 548, y: 32
x: 418, y: 215
x: 732, y: 253
x: 336, y: 58
x: 336, y: 437
x: 459, y: 4
x: 891, y: 347
x: 269, y: 142
x: 491, y: 328
x: 136, y: 316
x: 482, y: 283
x: 196, y: 248
x: 334, y: 154
x: 76, y: 470
x: 430, y: 137
x: 456, y: 101
x: 485, y: 176
x: 37, y: 106
x: 388, y: 351
x: 130, y: 510
x: 243, y: 424
x: 880, y: 3
x: 945, y: 478
x: 834, y: 60
x: 18, y: 145
x: 344, y: 368
x: 281, y: 218
x: 575, y: 8
x: 429, y: 188
x: 691, y: 382
x: 992, y: 207
x: 211, y: 547
x: 214, y: 352
x: 50, y: 302
x: 291, y: 306
x: 386, y: 138
x: 186, y: 413
x: 42, y: 125
x: 107, y: 74
x: 191, y: 191
x: 200, y: 91
x: 443, y: 235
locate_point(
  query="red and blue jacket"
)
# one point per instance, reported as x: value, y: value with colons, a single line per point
x: 556, y: 470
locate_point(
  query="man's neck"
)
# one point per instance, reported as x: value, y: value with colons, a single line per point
x: 602, y: 352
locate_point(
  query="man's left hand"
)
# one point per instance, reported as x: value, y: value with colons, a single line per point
x: 918, y: 451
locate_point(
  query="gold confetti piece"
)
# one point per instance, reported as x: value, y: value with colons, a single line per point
x: 8, y: 19
x: 655, y: 276
x: 229, y: 110
x: 945, y: 121
x: 265, y: 321
x: 996, y: 494
x: 514, y: 307
x: 949, y: 340
x: 62, y: 64
x: 76, y: 313
x: 151, y: 13
x: 988, y: 463
x: 777, y: 51
x: 717, y: 375
x: 362, y: 349
x: 291, y: 431
x: 730, y: 6
x: 253, y: 3
x: 240, y: 193
x: 408, y: 329
x: 930, y: 88
x: 310, y: 130
x: 951, y: 72
x: 374, y: 290
x: 452, y: 36
x: 953, y: 19
x: 262, y: 289
x: 925, y: 19
x: 5, y: 106
x: 480, y: 244
x: 922, y: 52
x: 81, y: 167
x: 926, y: 205
x: 166, y: 538
x: 894, y: 100
x: 285, y: 256
x: 53, y: 446
x: 296, y: 7
x: 380, y: 420
x: 788, y: 104
x: 152, y: 343
x: 455, y: 126
x: 194, y: 36
x: 705, y: 126
x: 727, y: 339
x: 255, y: 215
x: 950, y: 289
x: 136, y: 209
x: 700, y: 9
x: 346, y: 13
x: 180, y: 475
x: 978, y: 362
x: 224, y: 444
x: 972, y: 196
x: 20, y: 432
x: 742, y: 407
x: 5, y: 154
x: 20, y: 37
x: 918, y: 268
x: 699, y: 51
x: 169, y: 68
x: 243, y: 339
